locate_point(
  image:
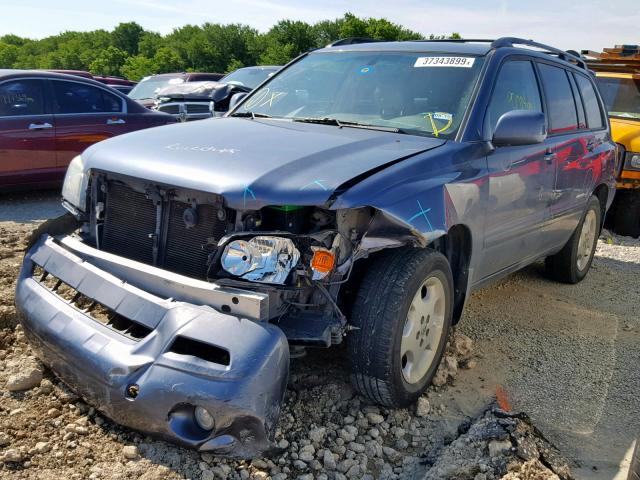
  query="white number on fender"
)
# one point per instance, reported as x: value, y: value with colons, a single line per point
x: 464, y: 62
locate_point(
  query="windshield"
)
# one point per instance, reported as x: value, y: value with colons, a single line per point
x: 417, y: 93
x: 148, y: 87
x: 621, y: 96
x: 248, y: 77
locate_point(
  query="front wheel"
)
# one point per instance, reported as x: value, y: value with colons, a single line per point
x: 571, y: 264
x: 402, y: 316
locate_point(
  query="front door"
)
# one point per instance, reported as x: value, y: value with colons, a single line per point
x: 27, y: 134
x: 520, y: 178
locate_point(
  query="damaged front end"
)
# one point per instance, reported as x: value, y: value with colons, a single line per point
x: 173, y: 314
x: 174, y: 367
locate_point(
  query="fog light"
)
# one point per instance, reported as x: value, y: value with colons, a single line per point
x: 204, y: 419
x: 261, y: 259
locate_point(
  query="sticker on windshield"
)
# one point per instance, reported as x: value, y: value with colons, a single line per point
x: 442, y: 116
x: 464, y: 62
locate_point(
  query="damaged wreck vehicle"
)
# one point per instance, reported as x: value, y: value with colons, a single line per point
x: 357, y: 196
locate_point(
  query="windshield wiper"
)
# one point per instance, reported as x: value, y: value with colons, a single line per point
x: 342, y: 123
x: 252, y: 115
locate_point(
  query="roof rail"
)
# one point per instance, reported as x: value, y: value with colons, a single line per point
x: 563, y: 55
x: 458, y: 40
x: 352, y: 41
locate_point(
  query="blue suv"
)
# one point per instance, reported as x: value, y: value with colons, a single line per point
x: 360, y: 194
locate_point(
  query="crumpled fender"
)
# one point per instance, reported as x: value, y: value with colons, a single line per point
x: 427, y: 195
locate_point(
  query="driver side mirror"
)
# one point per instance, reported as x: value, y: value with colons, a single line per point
x: 236, y: 98
x: 520, y: 127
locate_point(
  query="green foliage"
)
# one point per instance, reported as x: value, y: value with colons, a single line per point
x: 109, y: 61
x: 126, y: 37
x: 130, y: 51
x: 137, y: 67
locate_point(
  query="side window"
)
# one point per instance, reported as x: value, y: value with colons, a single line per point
x: 75, y: 97
x: 582, y: 122
x: 516, y: 89
x: 591, y: 104
x: 21, y: 98
x: 562, y: 108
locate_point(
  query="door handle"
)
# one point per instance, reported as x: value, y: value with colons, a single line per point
x: 116, y: 121
x: 549, y: 156
x: 40, y: 126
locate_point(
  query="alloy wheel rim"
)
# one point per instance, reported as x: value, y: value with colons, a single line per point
x: 587, y: 240
x: 422, y: 330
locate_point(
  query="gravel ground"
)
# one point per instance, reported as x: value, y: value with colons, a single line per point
x: 564, y: 354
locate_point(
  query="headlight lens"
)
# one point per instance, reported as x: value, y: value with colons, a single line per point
x: 632, y: 161
x: 74, y: 190
x: 261, y: 259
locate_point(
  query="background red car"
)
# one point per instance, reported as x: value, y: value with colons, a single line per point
x: 48, y: 118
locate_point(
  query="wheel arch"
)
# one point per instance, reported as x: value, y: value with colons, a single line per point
x: 602, y: 192
x: 456, y: 245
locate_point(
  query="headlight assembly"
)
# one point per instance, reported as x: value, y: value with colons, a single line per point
x: 632, y: 161
x: 74, y: 190
x: 261, y: 259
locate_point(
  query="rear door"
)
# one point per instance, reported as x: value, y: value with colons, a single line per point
x: 571, y: 146
x: 520, y: 178
x: 27, y: 133
x: 85, y: 114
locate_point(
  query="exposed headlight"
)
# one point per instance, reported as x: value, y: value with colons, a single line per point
x: 261, y: 259
x: 632, y: 161
x: 74, y: 190
x: 203, y: 418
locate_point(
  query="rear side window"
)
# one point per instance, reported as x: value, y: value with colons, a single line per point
x: 591, y: 104
x: 516, y: 89
x: 582, y: 121
x: 562, y: 108
x: 21, y: 97
x: 73, y: 97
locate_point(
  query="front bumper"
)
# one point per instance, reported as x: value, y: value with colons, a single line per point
x: 144, y: 381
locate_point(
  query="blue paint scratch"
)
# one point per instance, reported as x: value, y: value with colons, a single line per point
x: 247, y: 190
x: 421, y: 213
x: 317, y: 183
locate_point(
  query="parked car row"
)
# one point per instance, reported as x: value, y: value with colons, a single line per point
x: 199, y: 100
x: 358, y: 195
x: 48, y: 118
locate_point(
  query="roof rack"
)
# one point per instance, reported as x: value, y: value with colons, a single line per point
x: 562, y: 55
x: 567, y: 56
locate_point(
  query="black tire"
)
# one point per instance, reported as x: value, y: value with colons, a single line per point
x: 626, y: 218
x: 634, y: 468
x: 563, y: 266
x: 380, y: 311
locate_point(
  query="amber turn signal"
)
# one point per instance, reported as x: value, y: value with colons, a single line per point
x: 323, y: 261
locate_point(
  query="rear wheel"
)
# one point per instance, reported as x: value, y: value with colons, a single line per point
x: 403, y: 314
x: 626, y: 219
x: 571, y: 264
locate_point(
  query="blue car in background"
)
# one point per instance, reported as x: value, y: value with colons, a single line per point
x: 360, y: 194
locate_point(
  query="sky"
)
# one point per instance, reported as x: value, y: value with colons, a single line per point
x: 567, y: 24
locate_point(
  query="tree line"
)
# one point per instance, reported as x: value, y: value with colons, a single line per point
x: 132, y: 52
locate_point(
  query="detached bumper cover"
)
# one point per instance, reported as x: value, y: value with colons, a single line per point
x: 243, y: 391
